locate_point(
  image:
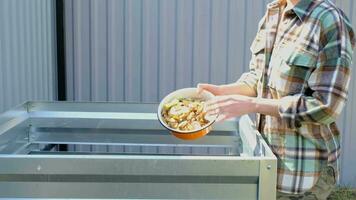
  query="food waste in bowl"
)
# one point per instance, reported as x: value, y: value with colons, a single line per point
x: 183, y: 113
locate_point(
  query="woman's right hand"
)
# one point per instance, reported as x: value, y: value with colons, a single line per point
x: 214, y: 89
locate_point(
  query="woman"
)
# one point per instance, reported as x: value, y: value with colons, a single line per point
x: 297, y: 84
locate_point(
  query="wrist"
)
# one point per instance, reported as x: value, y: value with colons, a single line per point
x: 255, y: 104
x: 219, y: 90
x: 227, y: 89
x: 266, y: 106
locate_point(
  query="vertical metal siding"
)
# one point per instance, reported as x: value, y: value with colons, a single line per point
x: 348, y: 121
x: 150, y: 51
x: 27, y: 51
x: 140, y: 50
x: 135, y: 50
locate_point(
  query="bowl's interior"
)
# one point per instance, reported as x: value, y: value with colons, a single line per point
x: 185, y: 93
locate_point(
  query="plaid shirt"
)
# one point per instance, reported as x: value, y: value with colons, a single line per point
x: 304, y: 60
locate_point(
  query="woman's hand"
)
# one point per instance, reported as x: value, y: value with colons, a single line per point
x: 214, y: 89
x: 229, y: 89
x: 229, y: 106
x: 234, y: 100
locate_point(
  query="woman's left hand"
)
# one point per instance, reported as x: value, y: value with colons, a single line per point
x: 229, y: 106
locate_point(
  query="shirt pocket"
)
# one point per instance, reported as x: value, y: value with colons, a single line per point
x: 259, y: 43
x: 290, y: 69
x: 257, y: 62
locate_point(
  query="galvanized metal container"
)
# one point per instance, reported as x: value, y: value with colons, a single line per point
x: 120, y: 151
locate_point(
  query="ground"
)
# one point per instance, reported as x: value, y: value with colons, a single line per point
x: 343, y: 193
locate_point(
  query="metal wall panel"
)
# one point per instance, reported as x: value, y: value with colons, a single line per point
x: 348, y: 120
x: 27, y: 51
x: 140, y: 50
x: 136, y: 50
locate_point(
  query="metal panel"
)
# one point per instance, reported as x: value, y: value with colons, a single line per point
x: 150, y: 47
x: 128, y: 190
x: 138, y: 165
x: 347, y: 121
x: 137, y: 50
x: 27, y: 51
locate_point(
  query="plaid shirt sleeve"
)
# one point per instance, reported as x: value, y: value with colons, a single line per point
x: 329, y: 81
x: 252, y: 77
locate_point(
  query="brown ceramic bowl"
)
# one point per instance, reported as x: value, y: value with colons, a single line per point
x: 187, y: 93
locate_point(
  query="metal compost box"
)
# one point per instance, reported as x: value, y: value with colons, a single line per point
x: 120, y: 151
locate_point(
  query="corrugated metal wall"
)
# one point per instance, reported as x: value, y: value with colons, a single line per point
x: 348, y: 120
x: 27, y: 51
x: 140, y: 50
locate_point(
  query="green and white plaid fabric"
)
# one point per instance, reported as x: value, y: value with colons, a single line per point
x: 304, y: 60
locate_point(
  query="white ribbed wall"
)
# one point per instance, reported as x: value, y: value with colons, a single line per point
x: 348, y: 120
x: 27, y: 51
x: 140, y: 50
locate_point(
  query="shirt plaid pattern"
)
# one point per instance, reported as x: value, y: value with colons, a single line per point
x: 304, y: 60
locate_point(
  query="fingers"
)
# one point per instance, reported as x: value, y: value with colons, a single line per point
x: 208, y: 87
x: 221, y: 106
x: 218, y: 110
x: 220, y: 101
x: 222, y: 117
x: 213, y: 112
x: 201, y: 87
x: 212, y: 105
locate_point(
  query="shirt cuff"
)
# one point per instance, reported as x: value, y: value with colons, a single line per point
x: 248, y: 79
x: 287, y: 109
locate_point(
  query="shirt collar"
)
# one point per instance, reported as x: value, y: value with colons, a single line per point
x: 302, y: 9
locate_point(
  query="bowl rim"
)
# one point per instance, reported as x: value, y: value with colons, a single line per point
x: 160, y: 119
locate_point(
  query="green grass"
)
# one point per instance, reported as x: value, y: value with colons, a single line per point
x: 343, y: 193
